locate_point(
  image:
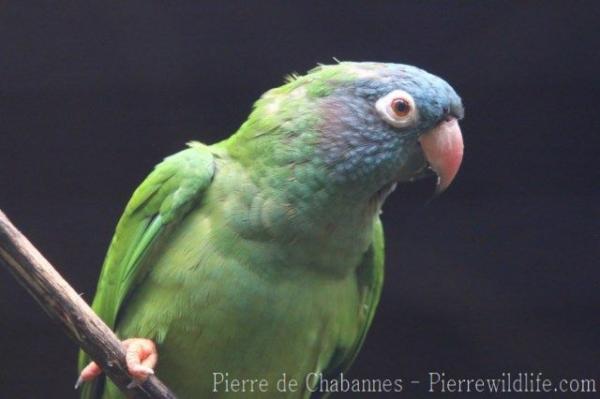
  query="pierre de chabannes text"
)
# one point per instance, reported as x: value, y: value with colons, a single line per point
x: 435, y: 382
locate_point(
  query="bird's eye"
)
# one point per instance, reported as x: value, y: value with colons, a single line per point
x: 400, y: 106
x: 397, y: 108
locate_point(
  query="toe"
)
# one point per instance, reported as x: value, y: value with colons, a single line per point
x: 89, y: 372
x: 141, y: 357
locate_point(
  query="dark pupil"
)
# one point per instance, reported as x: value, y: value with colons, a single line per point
x: 400, y: 106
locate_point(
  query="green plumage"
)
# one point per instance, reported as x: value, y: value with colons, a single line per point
x: 259, y: 255
x: 205, y: 302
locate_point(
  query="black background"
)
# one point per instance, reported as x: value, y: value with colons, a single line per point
x: 499, y: 274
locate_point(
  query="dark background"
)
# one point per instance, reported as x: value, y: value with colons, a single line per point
x: 499, y: 274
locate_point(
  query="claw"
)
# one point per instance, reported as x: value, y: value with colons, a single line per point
x: 79, y: 382
x: 140, y: 355
x: 139, y: 369
x: 134, y: 384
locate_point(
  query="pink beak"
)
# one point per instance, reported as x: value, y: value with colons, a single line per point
x: 443, y: 149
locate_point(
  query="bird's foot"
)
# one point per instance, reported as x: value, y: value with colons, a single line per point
x: 141, y: 357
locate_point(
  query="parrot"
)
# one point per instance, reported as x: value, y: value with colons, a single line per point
x: 262, y: 255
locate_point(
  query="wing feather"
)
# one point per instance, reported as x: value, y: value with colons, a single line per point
x: 161, y: 201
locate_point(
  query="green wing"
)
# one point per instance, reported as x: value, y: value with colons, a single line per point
x: 159, y: 203
x: 370, y: 283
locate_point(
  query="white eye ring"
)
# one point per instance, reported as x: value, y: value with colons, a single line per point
x: 385, y: 106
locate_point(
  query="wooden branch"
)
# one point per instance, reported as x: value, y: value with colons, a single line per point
x: 63, y: 304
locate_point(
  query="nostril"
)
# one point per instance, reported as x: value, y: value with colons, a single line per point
x: 447, y: 114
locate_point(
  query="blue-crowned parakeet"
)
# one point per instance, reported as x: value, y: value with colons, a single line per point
x: 263, y: 254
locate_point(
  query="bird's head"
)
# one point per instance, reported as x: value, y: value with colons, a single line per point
x: 369, y: 124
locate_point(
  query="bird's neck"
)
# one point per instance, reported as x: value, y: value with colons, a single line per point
x: 313, y: 223
x: 326, y: 231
